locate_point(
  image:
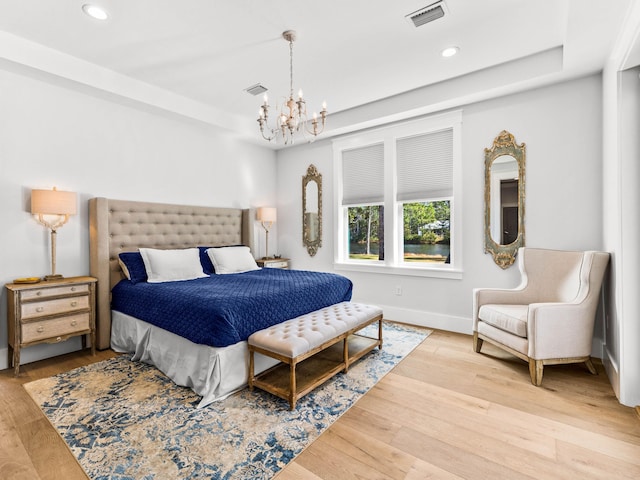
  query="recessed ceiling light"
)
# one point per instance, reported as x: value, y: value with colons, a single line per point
x: 449, y: 51
x: 95, y: 11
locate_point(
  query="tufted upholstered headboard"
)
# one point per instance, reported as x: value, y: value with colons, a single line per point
x: 124, y: 226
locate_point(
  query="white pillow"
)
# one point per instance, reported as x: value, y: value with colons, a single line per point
x: 172, y: 265
x: 232, y: 259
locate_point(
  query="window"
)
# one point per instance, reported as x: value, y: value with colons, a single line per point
x: 363, y: 201
x: 426, y: 231
x: 397, y: 189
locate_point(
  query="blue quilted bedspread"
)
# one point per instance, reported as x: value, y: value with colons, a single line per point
x: 221, y: 310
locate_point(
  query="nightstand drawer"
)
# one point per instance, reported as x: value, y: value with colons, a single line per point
x: 55, y: 328
x: 52, y: 307
x: 282, y: 264
x: 273, y: 262
x: 54, y: 291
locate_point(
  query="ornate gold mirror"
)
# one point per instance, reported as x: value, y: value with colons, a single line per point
x: 312, y: 210
x: 504, y: 197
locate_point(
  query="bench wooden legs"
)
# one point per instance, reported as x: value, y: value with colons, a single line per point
x: 292, y: 386
x: 345, y: 354
x: 251, y: 368
x: 345, y: 348
x: 313, y: 367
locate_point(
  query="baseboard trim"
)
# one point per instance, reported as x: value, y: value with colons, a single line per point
x: 611, y: 368
x: 452, y: 323
x: 421, y: 318
x: 4, y: 358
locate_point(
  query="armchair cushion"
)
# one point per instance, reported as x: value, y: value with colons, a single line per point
x: 510, y: 318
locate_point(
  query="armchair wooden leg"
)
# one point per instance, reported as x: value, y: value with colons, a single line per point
x: 477, y: 342
x: 535, y: 370
x: 591, y: 367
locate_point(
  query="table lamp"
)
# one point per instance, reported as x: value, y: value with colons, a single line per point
x: 267, y: 216
x: 52, y: 209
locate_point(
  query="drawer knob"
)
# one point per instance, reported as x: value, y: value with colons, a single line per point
x: 74, y: 304
x: 74, y: 323
x: 40, y: 329
x: 40, y: 309
x: 73, y: 289
x: 39, y: 293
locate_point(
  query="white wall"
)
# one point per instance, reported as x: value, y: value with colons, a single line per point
x: 561, y: 126
x: 622, y: 231
x: 628, y: 331
x: 621, y: 177
x: 52, y: 135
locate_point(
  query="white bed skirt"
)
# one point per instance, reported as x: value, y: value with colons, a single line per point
x: 211, y: 372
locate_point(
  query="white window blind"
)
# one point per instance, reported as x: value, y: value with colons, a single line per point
x: 363, y: 175
x: 425, y: 166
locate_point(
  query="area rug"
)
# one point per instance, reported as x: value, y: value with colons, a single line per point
x: 126, y: 420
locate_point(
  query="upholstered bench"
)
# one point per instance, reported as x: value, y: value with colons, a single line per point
x: 313, y: 348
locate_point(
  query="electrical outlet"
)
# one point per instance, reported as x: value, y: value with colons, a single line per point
x: 398, y: 290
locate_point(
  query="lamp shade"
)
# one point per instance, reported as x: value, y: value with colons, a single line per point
x: 53, y: 202
x: 267, y: 214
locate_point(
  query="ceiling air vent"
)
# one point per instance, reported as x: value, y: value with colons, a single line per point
x: 256, y: 89
x: 427, y: 14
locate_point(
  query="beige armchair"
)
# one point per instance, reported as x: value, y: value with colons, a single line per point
x: 549, y: 318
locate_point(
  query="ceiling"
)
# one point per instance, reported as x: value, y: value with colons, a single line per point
x: 196, y: 57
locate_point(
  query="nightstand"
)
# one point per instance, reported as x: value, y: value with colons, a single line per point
x: 273, y: 263
x: 50, y: 312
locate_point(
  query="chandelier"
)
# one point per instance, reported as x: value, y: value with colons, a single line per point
x: 291, y: 115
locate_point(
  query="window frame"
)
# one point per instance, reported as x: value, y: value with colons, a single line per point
x: 393, y: 227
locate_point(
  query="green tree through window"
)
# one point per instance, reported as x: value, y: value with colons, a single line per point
x: 366, y: 232
x: 427, y: 231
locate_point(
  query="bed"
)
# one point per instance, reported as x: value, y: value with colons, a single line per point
x: 218, y: 365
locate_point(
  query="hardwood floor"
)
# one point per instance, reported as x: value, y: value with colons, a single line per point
x: 448, y: 412
x: 444, y: 412
x: 30, y: 448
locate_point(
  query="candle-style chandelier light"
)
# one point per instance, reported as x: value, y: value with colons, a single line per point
x: 291, y: 115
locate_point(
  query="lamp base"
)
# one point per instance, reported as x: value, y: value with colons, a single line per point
x: 56, y: 276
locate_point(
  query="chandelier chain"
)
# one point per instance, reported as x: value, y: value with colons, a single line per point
x: 291, y: 68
